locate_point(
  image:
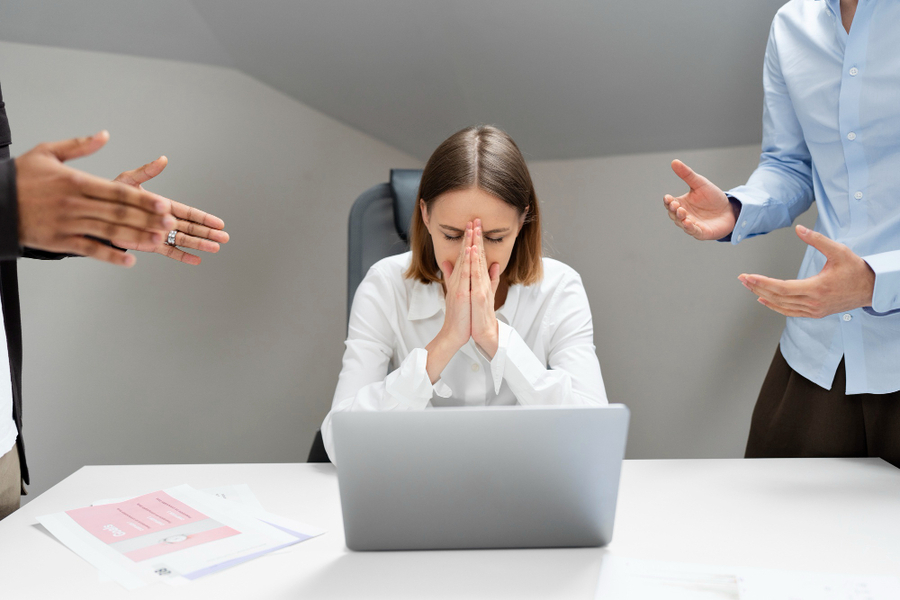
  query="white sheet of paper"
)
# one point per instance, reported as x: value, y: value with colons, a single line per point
x: 134, y: 561
x: 627, y: 578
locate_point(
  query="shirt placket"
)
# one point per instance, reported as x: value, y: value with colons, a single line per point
x: 853, y: 143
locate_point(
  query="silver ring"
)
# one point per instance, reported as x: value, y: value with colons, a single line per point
x: 171, y: 240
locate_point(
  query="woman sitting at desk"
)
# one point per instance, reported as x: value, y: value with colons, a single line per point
x: 472, y: 315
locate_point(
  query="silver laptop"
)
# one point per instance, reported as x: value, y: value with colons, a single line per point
x: 498, y: 477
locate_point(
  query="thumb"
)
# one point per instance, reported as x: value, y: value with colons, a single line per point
x: 823, y: 244
x: 77, y: 147
x: 142, y: 174
x: 688, y: 175
x: 447, y: 270
x: 494, y: 273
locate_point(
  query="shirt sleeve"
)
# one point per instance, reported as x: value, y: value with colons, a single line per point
x: 9, y: 213
x: 364, y: 383
x: 572, y: 373
x: 886, y: 296
x: 780, y: 189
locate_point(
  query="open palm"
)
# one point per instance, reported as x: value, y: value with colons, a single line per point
x: 704, y: 212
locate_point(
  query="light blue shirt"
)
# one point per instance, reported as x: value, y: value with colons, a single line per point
x: 831, y: 134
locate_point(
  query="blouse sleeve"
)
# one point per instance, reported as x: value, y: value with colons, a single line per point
x: 572, y: 373
x: 364, y: 383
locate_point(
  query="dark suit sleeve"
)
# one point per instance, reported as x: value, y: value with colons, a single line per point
x: 9, y: 213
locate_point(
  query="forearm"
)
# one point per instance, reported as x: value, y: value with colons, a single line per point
x: 439, y: 352
x: 405, y: 388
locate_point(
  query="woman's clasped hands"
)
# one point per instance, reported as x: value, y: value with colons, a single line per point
x: 470, y: 289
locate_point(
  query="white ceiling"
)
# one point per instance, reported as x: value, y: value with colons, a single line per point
x: 566, y: 78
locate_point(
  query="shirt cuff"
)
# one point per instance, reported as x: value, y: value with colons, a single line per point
x: 886, y: 295
x: 409, y: 384
x: 749, y: 214
x: 442, y: 389
x: 9, y: 212
x: 498, y: 363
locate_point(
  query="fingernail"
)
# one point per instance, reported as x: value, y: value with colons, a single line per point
x: 156, y: 237
x: 750, y: 280
x: 802, y: 229
x: 159, y: 206
x: 169, y: 222
x: 130, y: 260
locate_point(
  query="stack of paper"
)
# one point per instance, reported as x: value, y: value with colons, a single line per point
x: 174, y: 535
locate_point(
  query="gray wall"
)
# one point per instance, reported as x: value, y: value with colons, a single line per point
x: 231, y: 361
x: 680, y: 340
x: 235, y: 360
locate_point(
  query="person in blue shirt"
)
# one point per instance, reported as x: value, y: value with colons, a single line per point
x: 831, y: 134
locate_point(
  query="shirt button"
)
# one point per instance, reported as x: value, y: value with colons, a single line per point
x: 738, y: 238
x: 854, y: 71
x: 851, y: 136
x: 848, y: 317
x: 858, y: 195
x: 744, y: 224
x: 475, y: 367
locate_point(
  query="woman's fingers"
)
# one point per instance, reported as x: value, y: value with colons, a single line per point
x: 465, y: 274
x: 479, y: 242
x: 475, y: 268
x: 462, y: 252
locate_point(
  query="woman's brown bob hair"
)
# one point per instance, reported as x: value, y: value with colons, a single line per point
x: 486, y: 158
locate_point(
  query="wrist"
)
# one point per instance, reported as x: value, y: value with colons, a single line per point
x: 440, y: 350
x: 489, y: 339
x: 735, y: 206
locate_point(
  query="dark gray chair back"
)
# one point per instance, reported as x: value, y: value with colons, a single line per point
x: 379, y: 227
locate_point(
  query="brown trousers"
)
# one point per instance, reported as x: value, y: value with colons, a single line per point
x: 10, y: 482
x: 794, y: 417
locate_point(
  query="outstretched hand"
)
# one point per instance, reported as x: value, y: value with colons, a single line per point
x: 61, y: 209
x: 704, y: 212
x: 845, y: 282
x: 194, y: 228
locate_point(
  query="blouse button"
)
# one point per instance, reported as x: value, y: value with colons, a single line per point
x: 475, y: 367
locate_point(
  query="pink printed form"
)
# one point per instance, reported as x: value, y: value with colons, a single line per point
x: 150, y: 513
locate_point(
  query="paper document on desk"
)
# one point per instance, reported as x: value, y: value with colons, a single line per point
x: 626, y: 578
x: 174, y: 535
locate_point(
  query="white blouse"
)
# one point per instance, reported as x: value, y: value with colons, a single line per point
x: 546, y: 353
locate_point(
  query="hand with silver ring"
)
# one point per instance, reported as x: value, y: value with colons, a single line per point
x: 194, y: 229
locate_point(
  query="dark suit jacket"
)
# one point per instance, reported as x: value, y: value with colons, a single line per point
x: 9, y: 280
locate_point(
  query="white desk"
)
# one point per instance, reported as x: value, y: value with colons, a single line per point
x: 838, y: 515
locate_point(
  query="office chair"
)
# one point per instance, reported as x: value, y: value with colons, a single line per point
x: 379, y: 227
